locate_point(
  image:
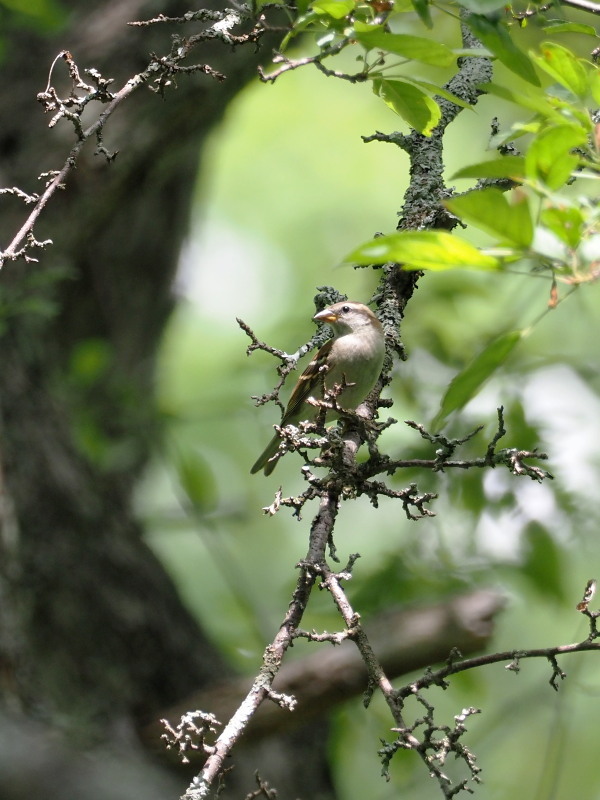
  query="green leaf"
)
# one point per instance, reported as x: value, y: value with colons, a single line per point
x: 549, y: 159
x: 422, y: 9
x: 434, y: 89
x: 338, y: 9
x: 560, y: 26
x: 417, y: 108
x: 365, y: 27
x: 496, y: 38
x: 564, y: 67
x: 417, y: 48
x: 566, y: 222
x: 506, y: 167
x: 472, y: 52
x: 490, y: 210
x: 595, y: 86
x: 535, y: 101
x: 434, y: 250
x: 302, y: 23
x: 468, y: 382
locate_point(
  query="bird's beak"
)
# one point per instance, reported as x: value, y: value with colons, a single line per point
x: 327, y: 315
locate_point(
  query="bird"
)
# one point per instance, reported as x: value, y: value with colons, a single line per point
x: 352, y: 359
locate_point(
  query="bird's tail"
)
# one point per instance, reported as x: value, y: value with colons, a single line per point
x: 267, y: 461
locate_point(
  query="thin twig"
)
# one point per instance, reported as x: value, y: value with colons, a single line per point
x: 60, y: 177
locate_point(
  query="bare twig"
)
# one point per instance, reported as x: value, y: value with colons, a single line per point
x: 159, y: 72
x: 511, y: 457
x: 264, y: 790
x: 289, y: 64
x: 15, y: 248
x: 514, y: 657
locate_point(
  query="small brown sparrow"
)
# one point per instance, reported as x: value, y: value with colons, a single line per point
x: 353, y: 358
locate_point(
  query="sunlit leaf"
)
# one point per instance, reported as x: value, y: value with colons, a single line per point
x: 338, y: 9
x: 468, y: 382
x: 560, y: 26
x: 534, y: 101
x: 496, y: 38
x: 564, y: 67
x: 490, y: 210
x: 365, y: 27
x: 434, y: 250
x: 303, y: 22
x: 595, y: 86
x: 418, y: 48
x: 418, y: 109
x: 549, y: 159
x: 434, y: 89
x: 422, y: 9
x: 472, y: 52
x: 566, y: 222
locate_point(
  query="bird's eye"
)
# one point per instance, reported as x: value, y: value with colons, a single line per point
x: 345, y: 309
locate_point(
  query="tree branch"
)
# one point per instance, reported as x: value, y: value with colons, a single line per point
x: 404, y: 639
x: 159, y: 71
x: 583, y: 5
x: 262, y: 686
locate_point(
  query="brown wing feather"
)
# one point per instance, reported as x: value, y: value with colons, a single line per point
x: 306, y: 384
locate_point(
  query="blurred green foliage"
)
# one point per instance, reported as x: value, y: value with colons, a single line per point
x: 42, y: 15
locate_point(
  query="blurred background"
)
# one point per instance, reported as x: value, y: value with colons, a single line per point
x: 277, y: 231
x: 285, y: 189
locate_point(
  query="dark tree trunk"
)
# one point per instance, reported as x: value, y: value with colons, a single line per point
x: 93, y: 635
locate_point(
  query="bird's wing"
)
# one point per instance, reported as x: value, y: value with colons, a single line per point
x: 308, y: 383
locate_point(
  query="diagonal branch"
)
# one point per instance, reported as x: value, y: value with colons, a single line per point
x: 15, y: 248
x: 160, y: 70
x: 262, y: 686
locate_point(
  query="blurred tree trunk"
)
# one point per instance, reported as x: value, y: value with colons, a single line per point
x: 93, y: 637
